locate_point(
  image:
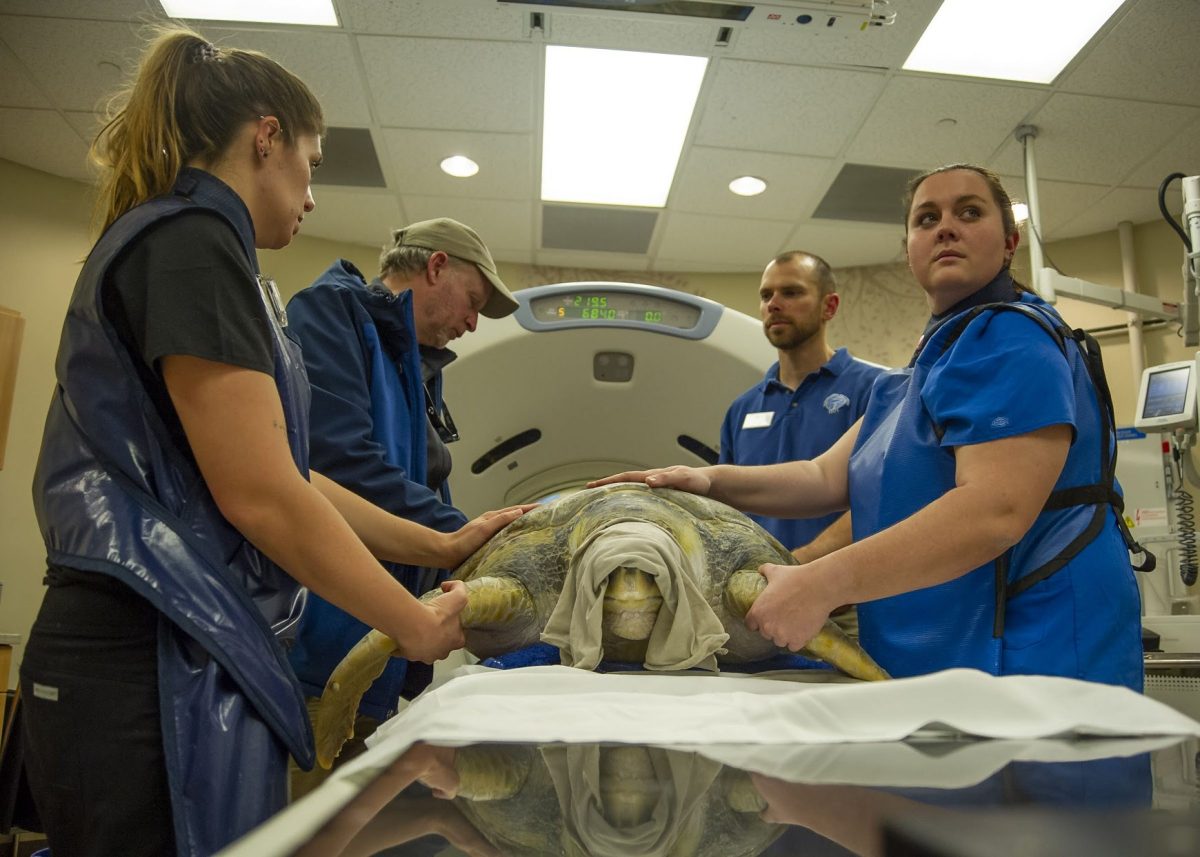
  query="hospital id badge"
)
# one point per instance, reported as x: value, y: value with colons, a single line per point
x: 762, y: 419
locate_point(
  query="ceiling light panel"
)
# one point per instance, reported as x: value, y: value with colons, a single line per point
x: 614, y: 124
x: 1025, y: 40
x: 317, y: 13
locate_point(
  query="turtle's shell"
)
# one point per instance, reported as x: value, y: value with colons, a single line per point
x: 536, y: 551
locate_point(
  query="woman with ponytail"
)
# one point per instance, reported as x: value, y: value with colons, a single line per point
x: 182, y: 524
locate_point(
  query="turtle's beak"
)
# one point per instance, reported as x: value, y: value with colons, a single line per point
x: 631, y: 603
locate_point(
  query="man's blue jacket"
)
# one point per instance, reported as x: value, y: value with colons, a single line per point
x: 368, y: 434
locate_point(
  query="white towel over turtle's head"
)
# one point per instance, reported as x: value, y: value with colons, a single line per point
x: 687, y: 633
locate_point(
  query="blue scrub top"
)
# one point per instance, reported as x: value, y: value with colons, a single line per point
x: 769, y: 424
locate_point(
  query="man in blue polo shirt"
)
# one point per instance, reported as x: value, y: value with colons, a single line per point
x: 807, y: 399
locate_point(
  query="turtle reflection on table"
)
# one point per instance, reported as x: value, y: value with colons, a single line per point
x: 599, y: 800
x: 515, y: 580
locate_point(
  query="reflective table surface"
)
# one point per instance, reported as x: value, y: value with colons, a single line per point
x: 936, y: 796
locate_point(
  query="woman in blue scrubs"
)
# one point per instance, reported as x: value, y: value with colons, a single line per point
x: 979, y: 479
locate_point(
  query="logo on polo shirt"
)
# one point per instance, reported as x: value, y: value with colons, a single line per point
x: 834, y: 402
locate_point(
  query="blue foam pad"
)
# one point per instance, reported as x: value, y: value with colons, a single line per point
x: 543, y: 654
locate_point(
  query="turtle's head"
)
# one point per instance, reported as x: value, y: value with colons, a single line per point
x: 631, y: 602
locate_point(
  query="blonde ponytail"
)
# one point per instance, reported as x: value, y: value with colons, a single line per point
x: 186, y: 102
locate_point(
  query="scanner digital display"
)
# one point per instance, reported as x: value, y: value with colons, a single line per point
x: 601, y: 306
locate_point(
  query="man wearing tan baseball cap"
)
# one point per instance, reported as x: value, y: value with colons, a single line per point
x: 461, y: 242
x: 379, y: 425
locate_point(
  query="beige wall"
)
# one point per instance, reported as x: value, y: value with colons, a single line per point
x: 44, y: 235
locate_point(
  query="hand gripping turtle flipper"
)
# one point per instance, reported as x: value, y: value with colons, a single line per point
x: 491, y: 601
x: 831, y: 645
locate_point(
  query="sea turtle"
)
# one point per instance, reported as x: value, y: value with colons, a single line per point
x: 569, y: 800
x: 515, y: 580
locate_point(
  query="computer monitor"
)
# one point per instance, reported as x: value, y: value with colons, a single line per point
x: 1167, y: 398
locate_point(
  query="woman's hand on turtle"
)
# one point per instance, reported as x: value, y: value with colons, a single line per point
x: 442, y: 631
x: 472, y: 535
x: 787, y: 612
x: 691, y: 479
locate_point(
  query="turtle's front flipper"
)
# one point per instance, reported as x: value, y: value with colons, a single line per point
x: 831, y: 645
x: 495, y: 602
x: 345, y: 688
x: 742, y: 589
x: 491, y: 602
x: 499, y: 617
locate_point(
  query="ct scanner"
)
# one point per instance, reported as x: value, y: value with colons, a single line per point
x: 591, y: 378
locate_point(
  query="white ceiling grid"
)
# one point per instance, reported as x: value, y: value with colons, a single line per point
x: 430, y: 78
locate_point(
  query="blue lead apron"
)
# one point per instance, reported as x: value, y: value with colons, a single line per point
x: 114, y: 495
x: 1011, y: 615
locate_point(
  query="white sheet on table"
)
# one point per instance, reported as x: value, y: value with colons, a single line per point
x: 555, y: 703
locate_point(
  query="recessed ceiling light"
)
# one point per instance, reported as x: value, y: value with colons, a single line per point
x: 317, y: 13
x: 614, y: 123
x: 1026, y: 40
x: 1020, y: 212
x: 460, y: 166
x: 747, y: 186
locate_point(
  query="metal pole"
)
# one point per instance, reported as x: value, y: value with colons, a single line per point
x: 1137, y: 351
x: 1025, y: 134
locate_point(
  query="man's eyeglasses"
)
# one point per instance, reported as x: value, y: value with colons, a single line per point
x: 441, y: 421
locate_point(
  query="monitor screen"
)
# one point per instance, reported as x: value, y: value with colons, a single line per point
x: 1166, y: 392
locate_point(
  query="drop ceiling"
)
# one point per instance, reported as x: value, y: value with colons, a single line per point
x: 816, y: 114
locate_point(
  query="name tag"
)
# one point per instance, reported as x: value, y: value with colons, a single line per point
x: 760, y: 420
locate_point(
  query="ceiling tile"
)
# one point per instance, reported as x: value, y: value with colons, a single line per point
x: 794, y: 184
x: 1058, y: 202
x: 322, y: 58
x: 576, y: 266
x: 42, y: 139
x: 720, y: 239
x: 506, y: 227
x: 945, y: 121
x: 99, y: 10
x: 1095, y: 140
x: 446, y: 19
x: 505, y: 163
x: 442, y: 83
x: 359, y: 217
x: 847, y: 244
x: 596, y: 228
x: 78, y: 64
x: 430, y: 78
x: 87, y: 125
x: 1179, y: 155
x: 787, y: 109
x: 349, y: 159
x: 1150, y: 53
x: 662, y: 263
x: 1132, y: 204
x: 17, y: 88
x: 864, y: 193
x: 875, y: 47
x: 622, y: 32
